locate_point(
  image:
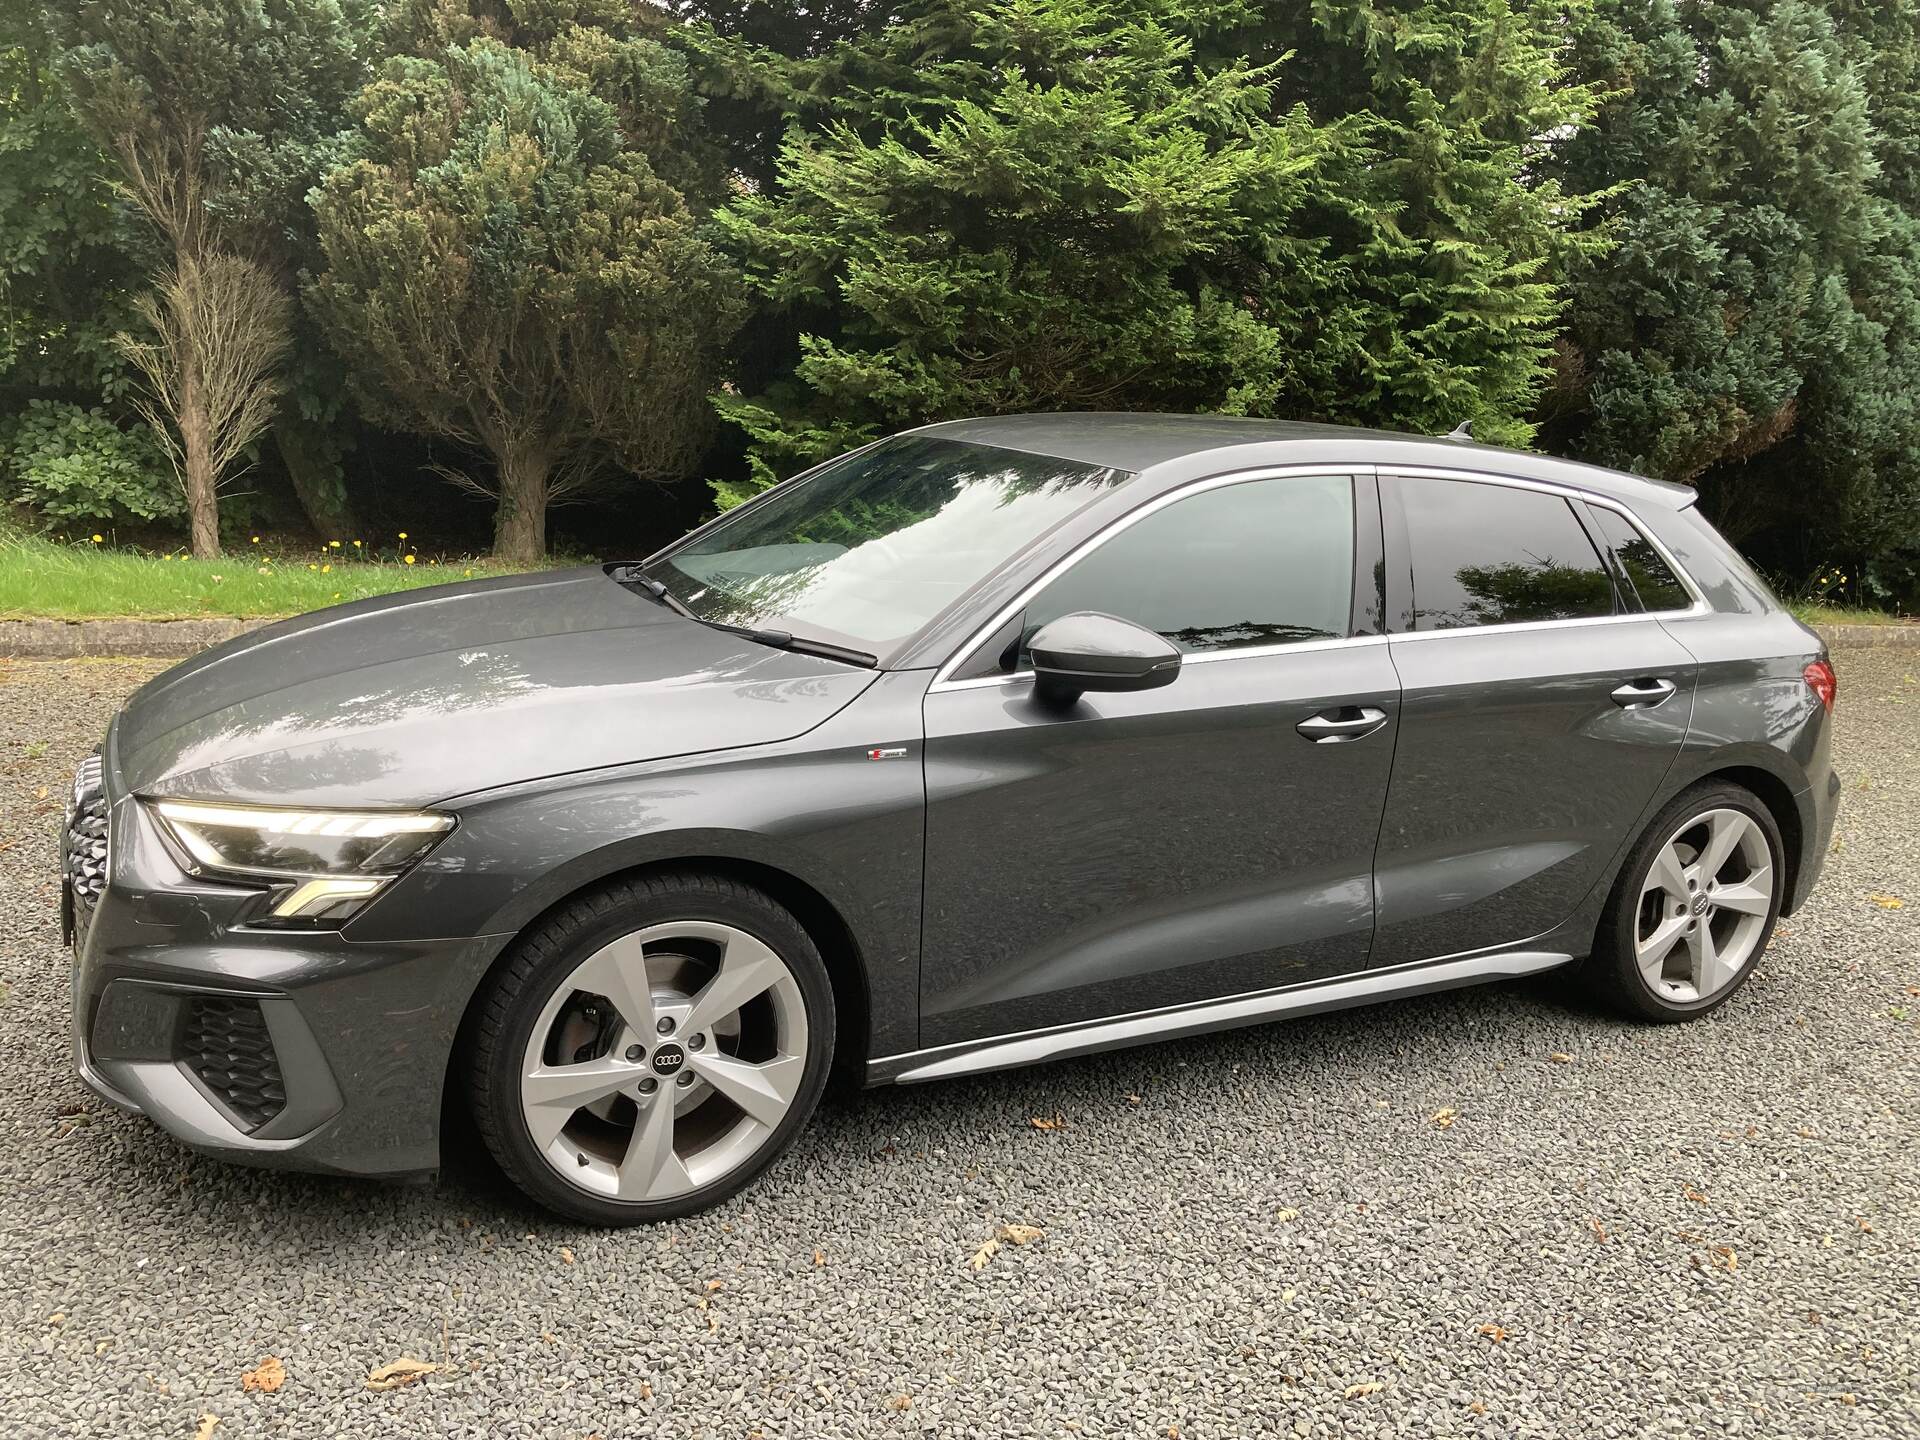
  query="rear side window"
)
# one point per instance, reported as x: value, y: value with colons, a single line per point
x: 1653, y: 579
x: 1262, y: 562
x: 1496, y: 555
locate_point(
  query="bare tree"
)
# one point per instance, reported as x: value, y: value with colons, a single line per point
x: 212, y: 373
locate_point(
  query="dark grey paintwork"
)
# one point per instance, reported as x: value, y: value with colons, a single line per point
x: 1016, y: 867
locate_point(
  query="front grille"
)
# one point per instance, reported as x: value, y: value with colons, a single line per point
x: 84, y: 848
x: 227, y: 1045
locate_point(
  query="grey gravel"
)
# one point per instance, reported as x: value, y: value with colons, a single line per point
x: 138, y: 1283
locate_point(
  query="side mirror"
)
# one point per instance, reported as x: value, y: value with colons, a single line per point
x: 1090, y: 651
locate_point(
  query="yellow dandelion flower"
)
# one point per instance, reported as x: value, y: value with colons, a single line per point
x: 409, y: 559
x: 313, y: 567
x: 333, y: 544
x: 466, y: 572
x: 97, y: 540
x: 356, y: 544
x: 326, y: 569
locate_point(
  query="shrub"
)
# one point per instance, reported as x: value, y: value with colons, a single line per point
x: 72, y: 464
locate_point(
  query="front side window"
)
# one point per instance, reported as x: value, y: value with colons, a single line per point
x: 1497, y: 555
x: 1260, y: 562
x: 879, y: 543
x: 1653, y: 579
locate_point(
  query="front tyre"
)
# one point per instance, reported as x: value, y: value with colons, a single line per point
x: 1694, y: 906
x: 651, y: 1047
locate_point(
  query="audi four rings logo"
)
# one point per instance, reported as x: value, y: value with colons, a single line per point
x: 668, y: 1058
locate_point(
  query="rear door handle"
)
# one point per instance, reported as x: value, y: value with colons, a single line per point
x: 1349, y: 722
x: 1643, y: 694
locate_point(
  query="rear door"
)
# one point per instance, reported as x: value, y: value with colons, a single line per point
x: 1174, y: 845
x: 1541, y: 710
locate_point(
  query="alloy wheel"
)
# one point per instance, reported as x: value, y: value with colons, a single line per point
x: 665, y: 1061
x: 1704, y: 906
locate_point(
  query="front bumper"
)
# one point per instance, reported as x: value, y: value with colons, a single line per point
x: 301, y: 1049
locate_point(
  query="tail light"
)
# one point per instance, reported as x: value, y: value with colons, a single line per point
x: 1821, y: 680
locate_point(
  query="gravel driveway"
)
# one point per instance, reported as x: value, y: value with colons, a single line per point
x: 1624, y: 1230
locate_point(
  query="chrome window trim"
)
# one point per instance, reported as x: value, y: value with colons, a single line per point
x: 942, y: 677
x: 1204, y: 657
x: 1565, y: 492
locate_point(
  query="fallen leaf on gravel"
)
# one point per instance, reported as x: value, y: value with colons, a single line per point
x: 1006, y: 1234
x: 1560, y: 1057
x: 1133, y: 1099
x: 1287, y: 1214
x: 207, y: 1426
x: 1444, y: 1117
x: 1495, y: 1333
x: 1365, y: 1387
x: 1848, y: 1399
x: 1864, y: 1224
x: 1693, y: 1195
x: 1724, y: 1254
x: 397, y: 1373
x: 900, y: 1402
x: 268, y: 1376
x: 1887, y: 902
x: 1599, y: 1230
x: 1478, y: 1407
x: 1042, y: 1122
x: 819, y: 1257
x: 566, y: 1255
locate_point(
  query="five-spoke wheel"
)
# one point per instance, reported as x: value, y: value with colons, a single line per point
x: 1695, y: 905
x: 663, y: 1049
x: 1704, y: 905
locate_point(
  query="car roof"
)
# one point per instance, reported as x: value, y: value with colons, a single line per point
x: 1181, y: 446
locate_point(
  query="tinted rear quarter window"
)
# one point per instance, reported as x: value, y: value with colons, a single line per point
x: 1486, y: 554
x: 1653, y: 579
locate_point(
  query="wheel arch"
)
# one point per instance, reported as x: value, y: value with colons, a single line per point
x: 1779, y: 798
x: 840, y: 950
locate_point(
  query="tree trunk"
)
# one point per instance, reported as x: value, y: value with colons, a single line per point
x: 202, y: 484
x: 520, y: 520
x: 317, y: 482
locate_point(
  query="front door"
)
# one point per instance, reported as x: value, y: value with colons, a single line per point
x: 1181, y: 844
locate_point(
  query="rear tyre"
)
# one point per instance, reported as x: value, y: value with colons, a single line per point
x: 1694, y: 907
x: 650, y: 1048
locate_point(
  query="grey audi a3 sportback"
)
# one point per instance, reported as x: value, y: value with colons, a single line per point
x: 993, y: 742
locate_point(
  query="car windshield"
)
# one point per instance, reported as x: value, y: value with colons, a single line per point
x: 874, y: 546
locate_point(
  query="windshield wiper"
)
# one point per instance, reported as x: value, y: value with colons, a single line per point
x: 631, y: 575
x: 775, y: 639
x: 799, y: 644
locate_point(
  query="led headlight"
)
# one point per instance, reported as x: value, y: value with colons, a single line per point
x: 323, y: 864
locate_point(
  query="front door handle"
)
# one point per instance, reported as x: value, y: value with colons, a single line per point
x: 1643, y: 694
x: 1349, y: 722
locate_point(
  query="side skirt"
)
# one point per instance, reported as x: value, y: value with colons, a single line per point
x: 1003, y: 1052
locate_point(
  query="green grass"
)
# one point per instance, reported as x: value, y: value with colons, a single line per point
x: 1816, y: 614
x: 42, y: 578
